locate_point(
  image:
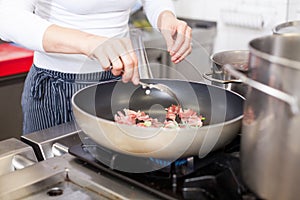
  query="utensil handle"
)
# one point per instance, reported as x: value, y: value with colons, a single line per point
x: 289, y: 99
x: 209, y: 77
x: 143, y: 62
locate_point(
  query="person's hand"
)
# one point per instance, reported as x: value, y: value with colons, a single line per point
x: 178, y: 36
x: 117, y: 55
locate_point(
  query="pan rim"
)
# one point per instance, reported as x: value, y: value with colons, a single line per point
x: 153, y: 128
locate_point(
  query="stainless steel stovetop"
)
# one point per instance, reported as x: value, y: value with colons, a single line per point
x: 65, y: 178
x: 67, y: 171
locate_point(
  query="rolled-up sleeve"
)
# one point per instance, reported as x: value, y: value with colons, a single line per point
x: 20, y: 25
x: 153, y: 8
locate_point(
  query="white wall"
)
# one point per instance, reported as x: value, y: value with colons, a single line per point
x: 239, y: 21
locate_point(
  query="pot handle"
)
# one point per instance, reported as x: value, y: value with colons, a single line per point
x: 291, y: 100
x: 209, y: 77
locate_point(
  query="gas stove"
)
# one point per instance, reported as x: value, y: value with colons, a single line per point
x: 85, y: 167
x: 216, y: 176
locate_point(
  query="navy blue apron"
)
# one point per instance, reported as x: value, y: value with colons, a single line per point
x: 46, y: 98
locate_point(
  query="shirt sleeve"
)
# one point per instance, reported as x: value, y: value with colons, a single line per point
x: 20, y: 25
x: 153, y: 8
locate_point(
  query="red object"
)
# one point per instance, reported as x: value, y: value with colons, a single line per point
x: 14, y: 59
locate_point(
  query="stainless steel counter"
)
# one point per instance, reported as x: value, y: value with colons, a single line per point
x: 65, y: 178
x: 58, y: 176
x: 53, y: 141
x: 15, y: 155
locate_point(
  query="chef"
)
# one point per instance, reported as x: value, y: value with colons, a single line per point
x: 80, y: 42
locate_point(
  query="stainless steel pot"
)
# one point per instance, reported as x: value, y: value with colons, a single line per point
x: 270, y: 146
x: 290, y: 28
x: 236, y: 58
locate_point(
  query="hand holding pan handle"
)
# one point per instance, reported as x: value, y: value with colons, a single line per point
x: 289, y: 99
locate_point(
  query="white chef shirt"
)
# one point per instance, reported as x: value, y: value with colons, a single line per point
x: 101, y: 17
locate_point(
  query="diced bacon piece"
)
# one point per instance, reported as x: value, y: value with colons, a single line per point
x: 175, y: 117
x: 187, y: 113
x: 170, y: 124
x: 171, y: 116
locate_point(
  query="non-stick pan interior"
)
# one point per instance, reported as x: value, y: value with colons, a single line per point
x: 215, y: 104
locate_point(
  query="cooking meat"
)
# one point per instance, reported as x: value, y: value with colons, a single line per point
x: 175, y: 117
x: 138, y: 118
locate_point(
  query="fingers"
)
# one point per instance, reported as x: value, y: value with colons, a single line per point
x: 183, y: 56
x: 135, y: 74
x: 130, y: 62
x: 168, y: 35
x: 182, y: 45
x: 178, y: 36
x: 184, y: 49
x: 102, y: 58
x: 118, y: 56
x: 128, y: 66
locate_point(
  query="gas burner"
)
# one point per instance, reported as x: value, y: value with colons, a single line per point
x: 216, y: 176
x: 220, y: 179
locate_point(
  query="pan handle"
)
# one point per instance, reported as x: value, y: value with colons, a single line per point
x: 209, y: 77
x: 289, y: 99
